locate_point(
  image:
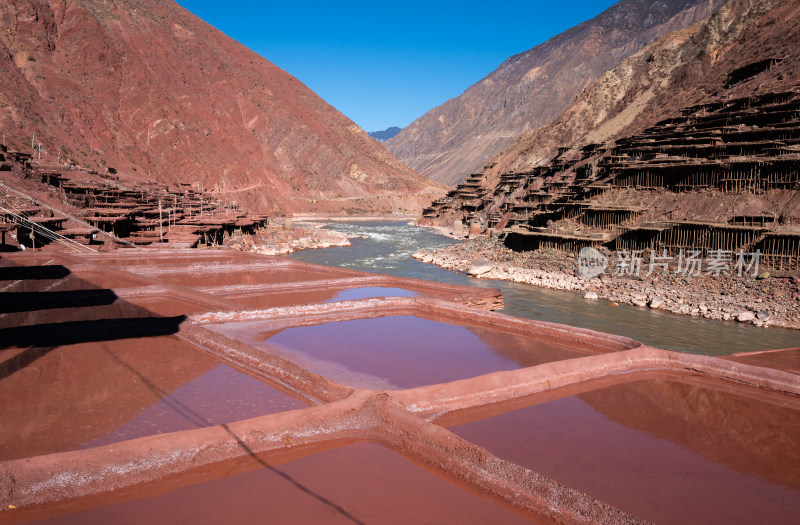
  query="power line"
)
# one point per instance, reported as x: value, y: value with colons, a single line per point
x: 67, y: 215
x: 44, y: 231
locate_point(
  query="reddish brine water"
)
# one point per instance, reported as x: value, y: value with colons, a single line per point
x: 327, y: 295
x: 156, y: 258
x: 400, y: 351
x: 69, y: 282
x: 221, y: 395
x: 116, y: 308
x: 666, y: 451
x: 787, y: 359
x: 88, y: 394
x: 360, y: 483
x: 213, y: 276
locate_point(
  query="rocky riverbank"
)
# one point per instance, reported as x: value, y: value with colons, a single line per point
x: 282, y: 238
x: 765, y: 301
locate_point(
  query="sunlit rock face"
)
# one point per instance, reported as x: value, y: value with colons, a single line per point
x: 148, y: 88
x: 533, y: 88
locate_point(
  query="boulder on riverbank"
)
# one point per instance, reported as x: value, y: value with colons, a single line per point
x: 480, y: 267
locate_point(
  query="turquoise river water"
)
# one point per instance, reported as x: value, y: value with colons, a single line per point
x: 387, y: 248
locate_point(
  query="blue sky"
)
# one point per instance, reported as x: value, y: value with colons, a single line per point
x: 386, y: 63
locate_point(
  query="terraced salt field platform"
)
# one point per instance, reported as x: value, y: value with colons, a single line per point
x: 209, y: 386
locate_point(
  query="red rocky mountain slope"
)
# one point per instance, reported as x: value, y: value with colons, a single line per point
x: 148, y: 88
x: 691, y: 143
x: 533, y: 88
x: 685, y: 68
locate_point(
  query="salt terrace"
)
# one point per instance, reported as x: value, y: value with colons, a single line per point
x: 164, y: 384
x: 723, y: 151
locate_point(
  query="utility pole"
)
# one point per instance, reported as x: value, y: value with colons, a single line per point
x: 160, y: 222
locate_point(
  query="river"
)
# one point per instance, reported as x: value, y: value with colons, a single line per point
x: 387, y: 248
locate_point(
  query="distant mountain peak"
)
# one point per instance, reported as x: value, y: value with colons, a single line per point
x: 383, y: 136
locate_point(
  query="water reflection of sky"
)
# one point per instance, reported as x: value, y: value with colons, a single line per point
x: 369, y: 292
x: 409, y: 351
x: 398, y: 351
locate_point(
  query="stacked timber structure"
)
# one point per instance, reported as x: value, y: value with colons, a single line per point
x: 94, y: 208
x: 722, y: 176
